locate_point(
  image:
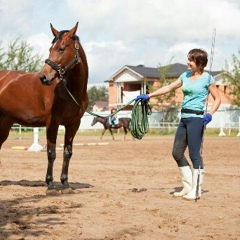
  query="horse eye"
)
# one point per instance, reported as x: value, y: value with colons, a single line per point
x: 61, y: 49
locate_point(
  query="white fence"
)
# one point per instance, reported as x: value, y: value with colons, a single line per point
x: 224, y: 119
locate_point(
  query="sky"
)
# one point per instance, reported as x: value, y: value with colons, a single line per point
x: 115, y: 33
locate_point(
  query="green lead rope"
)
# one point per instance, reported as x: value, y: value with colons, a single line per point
x: 139, y: 117
x: 139, y: 121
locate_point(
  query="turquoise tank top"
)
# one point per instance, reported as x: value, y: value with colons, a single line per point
x: 195, y: 92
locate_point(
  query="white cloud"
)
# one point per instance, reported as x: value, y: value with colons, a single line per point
x: 120, y: 32
x: 157, y: 30
x: 40, y: 43
x: 14, y: 17
x: 102, y: 58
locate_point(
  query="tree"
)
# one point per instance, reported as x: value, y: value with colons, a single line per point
x: 232, y: 78
x: 166, y: 103
x: 19, y: 56
x: 97, y: 94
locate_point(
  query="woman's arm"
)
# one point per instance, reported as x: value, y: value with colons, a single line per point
x: 163, y: 90
x: 217, y: 100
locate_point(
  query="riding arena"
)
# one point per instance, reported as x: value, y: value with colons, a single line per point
x: 74, y: 185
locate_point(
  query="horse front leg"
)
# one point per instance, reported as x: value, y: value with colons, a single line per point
x: 104, y: 130
x: 125, y: 133
x: 110, y: 130
x: 51, y: 154
x: 67, y: 153
x: 52, y: 130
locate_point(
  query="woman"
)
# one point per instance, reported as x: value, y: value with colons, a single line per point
x: 195, y: 85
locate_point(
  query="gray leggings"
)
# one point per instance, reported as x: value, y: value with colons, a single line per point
x: 189, y: 134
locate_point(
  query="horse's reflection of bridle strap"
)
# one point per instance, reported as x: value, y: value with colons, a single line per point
x: 62, y: 70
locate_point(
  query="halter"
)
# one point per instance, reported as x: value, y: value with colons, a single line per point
x: 62, y: 70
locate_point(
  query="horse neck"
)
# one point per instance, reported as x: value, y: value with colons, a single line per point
x: 83, y: 59
x: 77, y: 81
x: 101, y: 120
x: 78, y: 76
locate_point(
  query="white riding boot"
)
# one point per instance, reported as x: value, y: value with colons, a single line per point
x: 186, y: 175
x: 193, y: 194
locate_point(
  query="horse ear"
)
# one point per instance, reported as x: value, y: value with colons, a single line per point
x: 74, y: 29
x: 54, y: 31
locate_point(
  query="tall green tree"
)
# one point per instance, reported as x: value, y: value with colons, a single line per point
x: 232, y: 78
x: 19, y: 56
x: 166, y: 103
x: 97, y: 94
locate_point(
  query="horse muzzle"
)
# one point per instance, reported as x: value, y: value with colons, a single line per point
x: 45, y: 81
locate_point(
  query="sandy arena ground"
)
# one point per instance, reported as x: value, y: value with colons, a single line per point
x: 122, y: 191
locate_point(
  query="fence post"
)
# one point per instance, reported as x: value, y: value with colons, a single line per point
x: 35, y: 147
x: 221, y: 134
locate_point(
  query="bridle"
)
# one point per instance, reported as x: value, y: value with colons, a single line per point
x: 62, y: 70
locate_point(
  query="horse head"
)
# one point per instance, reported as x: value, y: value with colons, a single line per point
x: 63, y: 55
x: 95, y: 120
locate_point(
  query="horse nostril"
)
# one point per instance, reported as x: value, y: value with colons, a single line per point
x: 43, y: 78
x: 45, y: 81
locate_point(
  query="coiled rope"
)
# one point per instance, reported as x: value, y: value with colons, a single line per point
x: 139, y: 124
x: 139, y: 117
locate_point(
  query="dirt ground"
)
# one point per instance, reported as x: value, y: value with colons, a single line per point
x: 123, y: 190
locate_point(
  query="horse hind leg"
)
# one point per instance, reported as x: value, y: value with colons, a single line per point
x: 130, y: 132
x: 5, y: 126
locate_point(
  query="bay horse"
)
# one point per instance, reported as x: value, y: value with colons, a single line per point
x: 122, y: 122
x: 57, y: 95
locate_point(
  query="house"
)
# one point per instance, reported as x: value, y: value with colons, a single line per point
x: 100, y: 106
x: 130, y: 81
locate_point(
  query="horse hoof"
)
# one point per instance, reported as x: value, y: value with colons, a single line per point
x: 52, y: 192
x: 67, y: 191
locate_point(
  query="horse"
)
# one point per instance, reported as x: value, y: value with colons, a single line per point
x: 57, y: 95
x: 122, y: 122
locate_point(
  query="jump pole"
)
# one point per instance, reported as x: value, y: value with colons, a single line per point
x: 35, y: 147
